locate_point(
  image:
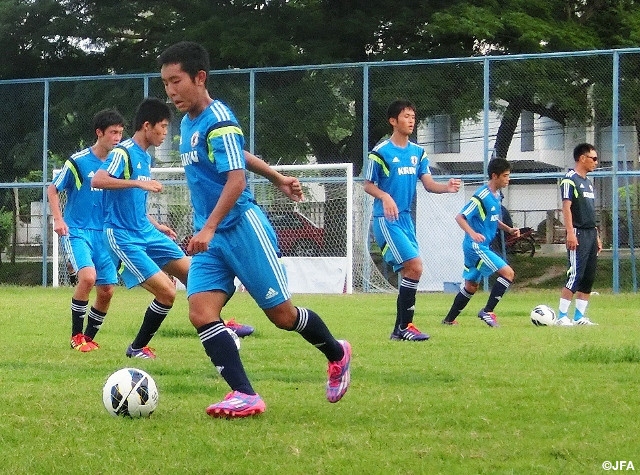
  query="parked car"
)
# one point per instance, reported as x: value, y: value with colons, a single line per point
x: 297, y: 234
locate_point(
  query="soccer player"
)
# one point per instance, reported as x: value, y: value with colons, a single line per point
x: 480, y: 219
x: 233, y: 237
x: 80, y: 229
x: 143, y: 249
x: 583, y: 241
x: 395, y: 166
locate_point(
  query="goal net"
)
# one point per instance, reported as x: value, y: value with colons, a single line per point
x: 325, y: 239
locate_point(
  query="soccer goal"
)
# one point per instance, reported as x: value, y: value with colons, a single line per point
x: 324, y: 239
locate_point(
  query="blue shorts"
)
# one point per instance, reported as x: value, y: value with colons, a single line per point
x: 86, y: 248
x: 248, y: 250
x: 480, y: 261
x: 397, y: 239
x: 140, y: 255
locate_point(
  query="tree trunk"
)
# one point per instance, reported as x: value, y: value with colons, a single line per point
x: 507, y: 128
x: 511, y: 116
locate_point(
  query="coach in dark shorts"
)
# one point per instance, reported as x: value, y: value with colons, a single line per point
x: 583, y: 240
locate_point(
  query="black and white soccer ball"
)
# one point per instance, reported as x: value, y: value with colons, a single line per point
x: 130, y: 392
x: 543, y: 315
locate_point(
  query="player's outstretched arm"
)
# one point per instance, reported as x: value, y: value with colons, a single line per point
x: 451, y: 186
x: 163, y: 228
x: 103, y: 180
x: 290, y: 186
x: 508, y: 229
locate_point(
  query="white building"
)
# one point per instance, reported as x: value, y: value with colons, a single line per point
x: 539, y: 145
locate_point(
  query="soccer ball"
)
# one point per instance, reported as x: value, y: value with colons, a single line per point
x: 130, y: 392
x: 543, y: 315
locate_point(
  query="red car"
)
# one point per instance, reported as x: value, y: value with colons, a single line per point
x: 297, y: 234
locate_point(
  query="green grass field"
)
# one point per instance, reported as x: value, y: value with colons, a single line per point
x: 516, y: 399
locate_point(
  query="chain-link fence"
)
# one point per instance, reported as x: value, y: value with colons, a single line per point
x: 531, y: 109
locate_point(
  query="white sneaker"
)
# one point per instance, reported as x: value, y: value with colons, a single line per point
x: 564, y: 322
x: 583, y: 321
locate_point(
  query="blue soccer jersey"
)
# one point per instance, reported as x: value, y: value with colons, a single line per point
x: 244, y: 245
x: 83, y: 209
x: 482, y: 212
x: 126, y: 208
x: 210, y: 146
x: 396, y: 170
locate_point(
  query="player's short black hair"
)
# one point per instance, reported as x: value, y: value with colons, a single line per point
x: 151, y: 110
x: 191, y: 56
x: 582, y: 149
x: 498, y: 166
x: 396, y: 108
x: 106, y: 118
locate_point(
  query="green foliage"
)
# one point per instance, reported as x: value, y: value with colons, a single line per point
x: 26, y: 196
x: 317, y: 112
x: 515, y: 399
x: 24, y: 273
x: 631, y: 191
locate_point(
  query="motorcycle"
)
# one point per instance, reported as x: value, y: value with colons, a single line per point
x: 524, y: 244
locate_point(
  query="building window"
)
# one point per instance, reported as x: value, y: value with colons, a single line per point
x: 446, y: 134
x: 526, y: 132
x: 551, y: 134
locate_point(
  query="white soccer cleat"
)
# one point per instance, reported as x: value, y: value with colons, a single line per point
x: 583, y: 321
x: 564, y: 322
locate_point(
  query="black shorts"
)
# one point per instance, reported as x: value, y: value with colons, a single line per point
x: 583, y: 261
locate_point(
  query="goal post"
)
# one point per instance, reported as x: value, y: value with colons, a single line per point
x: 314, y: 235
x: 324, y: 239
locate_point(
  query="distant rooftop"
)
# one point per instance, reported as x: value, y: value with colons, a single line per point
x: 476, y: 168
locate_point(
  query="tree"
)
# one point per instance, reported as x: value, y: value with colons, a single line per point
x: 42, y: 39
x: 566, y: 90
x: 45, y: 38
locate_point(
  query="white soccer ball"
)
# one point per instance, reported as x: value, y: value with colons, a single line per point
x: 130, y: 392
x: 543, y: 315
